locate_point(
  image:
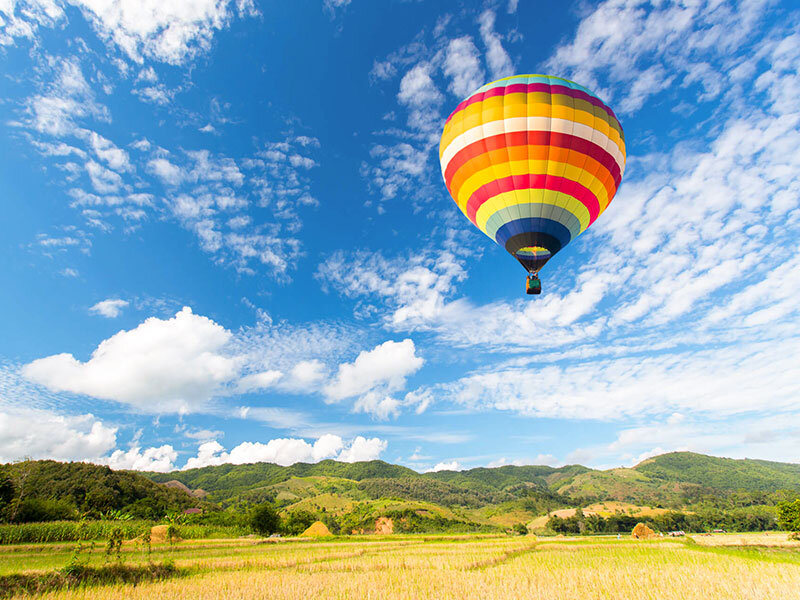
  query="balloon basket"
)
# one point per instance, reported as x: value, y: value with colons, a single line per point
x: 533, y: 286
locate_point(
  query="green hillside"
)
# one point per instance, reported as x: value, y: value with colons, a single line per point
x: 721, y: 473
x: 226, y: 481
x: 352, y: 496
x: 46, y: 489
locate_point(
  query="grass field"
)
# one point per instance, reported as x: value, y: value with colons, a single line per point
x: 479, y: 567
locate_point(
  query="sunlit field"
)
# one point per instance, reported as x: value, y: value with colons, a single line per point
x: 735, y: 566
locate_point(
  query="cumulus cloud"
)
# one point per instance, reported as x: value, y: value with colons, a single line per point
x: 288, y: 451
x: 363, y: 449
x: 41, y: 433
x: 111, y: 308
x: 161, y: 366
x: 453, y: 465
x: 160, y: 460
x: 384, y: 367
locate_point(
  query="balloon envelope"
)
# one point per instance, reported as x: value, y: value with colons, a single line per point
x: 532, y: 161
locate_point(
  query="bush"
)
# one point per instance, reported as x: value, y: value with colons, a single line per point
x: 789, y: 515
x: 33, y: 510
x: 264, y: 519
x: 520, y: 529
x: 298, y: 521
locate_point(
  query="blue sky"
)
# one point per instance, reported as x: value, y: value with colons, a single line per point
x: 225, y: 237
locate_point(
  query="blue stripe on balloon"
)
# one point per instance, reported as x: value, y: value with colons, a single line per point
x: 534, y: 226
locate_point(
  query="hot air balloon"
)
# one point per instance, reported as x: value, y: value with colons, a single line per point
x: 532, y: 161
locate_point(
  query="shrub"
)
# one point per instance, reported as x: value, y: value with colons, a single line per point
x: 264, y: 519
x: 32, y: 510
x: 520, y: 529
x: 298, y: 521
x: 789, y: 515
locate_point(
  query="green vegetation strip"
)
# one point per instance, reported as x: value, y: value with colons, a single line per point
x: 770, y: 554
x: 81, y: 576
x: 505, y: 557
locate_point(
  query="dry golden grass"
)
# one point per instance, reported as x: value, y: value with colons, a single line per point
x: 603, y: 509
x: 479, y: 568
x: 767, y: 538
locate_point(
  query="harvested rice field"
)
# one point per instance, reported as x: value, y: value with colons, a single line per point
x: 410, y: 567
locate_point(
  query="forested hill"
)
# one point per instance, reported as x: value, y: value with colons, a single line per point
x: 71, y: 490
x: 677, y: 480
x: 674, y: 479
x: 722, y: 473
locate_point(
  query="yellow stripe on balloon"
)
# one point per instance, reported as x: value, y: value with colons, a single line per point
x: 525, y: 167
x: 508, y: 199
x: 524, y: 123
x: 476, y: 114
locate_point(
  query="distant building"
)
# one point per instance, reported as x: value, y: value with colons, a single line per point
x: 193, y: 511
x: 678, y: 533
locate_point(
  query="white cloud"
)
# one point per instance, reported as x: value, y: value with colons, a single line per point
x: 398, y: 165
x: 384, y: 367
x: 160, y: 460
x: 259, y: 381
x: 160, y: 366
x: 453, y: 465
x: 110, y: 308
x: 497, y: 58
x: 642, y: 49
x: 171, y: 32
x: 104, y: 181
x: 39, y: 434
x: 710, y: 381
x: 301, y: 379
x: 332, y: 6
x: 378, y: 404
x: 116, y: 158
x: 462, y: 66
x: 363, y: 449
x: 67, y: 98
x: 772, y: 437
x: 419, y: 93
x: 157, y: 94
x: 22, y: 19
x: 288, y: 451
x: 414, y: 289
x: 167, y: 172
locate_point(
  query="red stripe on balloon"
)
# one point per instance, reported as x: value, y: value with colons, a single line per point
x: 530, y: 88
x: 533, y: 182
x: 532, y: 138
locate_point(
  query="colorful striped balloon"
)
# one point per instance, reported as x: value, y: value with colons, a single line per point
x: 532, y: 161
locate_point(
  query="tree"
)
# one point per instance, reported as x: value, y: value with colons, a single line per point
x: 264, y: 519
x: 298, y: 521
x: 6, y: 491
x: 520, y: 529
x: 789, y: 515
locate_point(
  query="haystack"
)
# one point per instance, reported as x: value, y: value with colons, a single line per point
x: 642, y: 532
x: 158, y: 534
x: 317, y: 529
x: 384, y: 526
